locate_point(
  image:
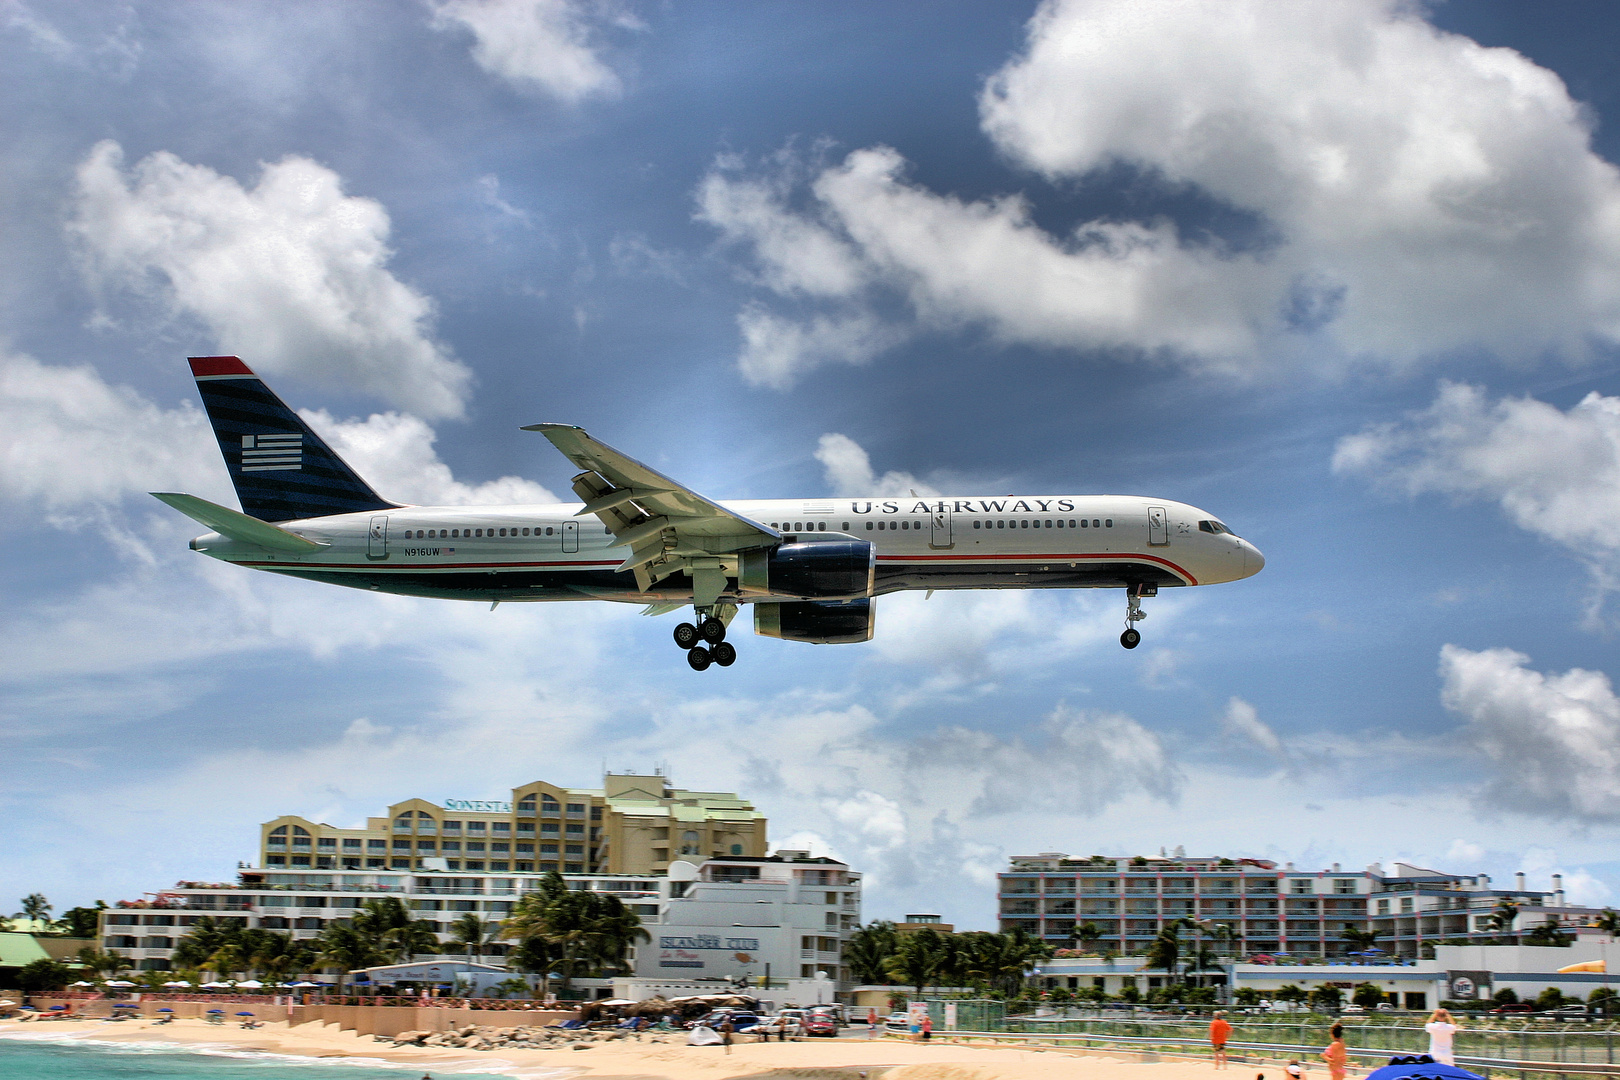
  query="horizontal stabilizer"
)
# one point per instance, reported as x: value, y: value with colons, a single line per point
x: 236, y: 525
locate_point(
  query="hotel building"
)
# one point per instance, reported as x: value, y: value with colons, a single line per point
x: 630, y: 825
x: 1261, y: 908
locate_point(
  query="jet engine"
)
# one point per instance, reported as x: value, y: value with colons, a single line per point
x: 818, y: 622
x: 842, y: 569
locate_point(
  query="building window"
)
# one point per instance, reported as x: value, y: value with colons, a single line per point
x: 300, y: 860
x: 448, y: 846
x: 498, y: 866
x: 452, y: 826
x: 351, y: 844
x: 502, y: 827
x: 548, y: 828
x: 576, y: 830
x: 573, y: 849
x: 523, y: 867
x: 473, y: 864
x: 275, y: 860
x: 525, y: 849
x: 376, y: 845
x: 548, y: 849
x: 476, y: 827
x: 326, y: 843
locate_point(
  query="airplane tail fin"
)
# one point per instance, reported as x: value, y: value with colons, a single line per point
x: 281, y: 468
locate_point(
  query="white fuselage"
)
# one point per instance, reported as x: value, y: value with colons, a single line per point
x: 546, y: 552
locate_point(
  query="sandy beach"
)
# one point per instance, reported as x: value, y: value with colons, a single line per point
x: 890, y: 1059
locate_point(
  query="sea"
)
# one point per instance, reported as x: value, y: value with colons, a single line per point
x: 59, y: 1058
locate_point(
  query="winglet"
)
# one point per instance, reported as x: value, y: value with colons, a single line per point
x: 236, y: 525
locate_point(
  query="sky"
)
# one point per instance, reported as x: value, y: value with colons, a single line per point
x: 1345, y: 275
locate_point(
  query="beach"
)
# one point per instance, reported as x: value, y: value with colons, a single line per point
x: 837, y: 1059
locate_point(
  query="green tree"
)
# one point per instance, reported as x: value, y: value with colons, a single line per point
x: 81, y: 921
x: 35, y: 906
x: 1362, y: 939
x: 1367, y: 995
x: 868, y: 950
x: 570, y: 933
x: 1246, y: 995
x: 1549, y: 934
x: 1550, y: 998
x: 99, y: 962
x: 1505, y: 996
x: 917, y: 958
x: 473, y: 933
x: 348, y: 949
x: 387, y: 922
x: 1085, y: 934
x: 1608, y: 921
x: 1502, y: 917
x: 205, y: 938
x: 1326, y: 998
x: 1290, y: 993
x: 1165, y: 951
x: 43, y: 974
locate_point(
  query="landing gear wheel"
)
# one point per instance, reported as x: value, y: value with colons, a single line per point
x: 686, y: 635
x: 699, y: 658
x: 1131, y: 638
x: 725, y: 654
x: 713, y: 630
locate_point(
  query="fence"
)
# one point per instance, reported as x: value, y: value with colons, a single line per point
x: 1485, y: 1050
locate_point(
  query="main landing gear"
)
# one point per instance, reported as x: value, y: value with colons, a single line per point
x: 705, y: 643
x: 1132, y: 637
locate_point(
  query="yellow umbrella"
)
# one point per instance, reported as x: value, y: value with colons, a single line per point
x: 1596, y: 966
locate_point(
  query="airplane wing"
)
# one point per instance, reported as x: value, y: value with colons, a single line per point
x: 667, y: 527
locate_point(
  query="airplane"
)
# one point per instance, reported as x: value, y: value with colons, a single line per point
x: 810, y: 568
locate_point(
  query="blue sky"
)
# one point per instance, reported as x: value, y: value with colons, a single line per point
x: 1347, y: 276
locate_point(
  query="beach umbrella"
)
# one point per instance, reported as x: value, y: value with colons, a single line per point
x: 165, y: 1009
x: 219, y: 1011
x: 244, y: 1014
x: 81, y: 982
x: 58, y: 1008
x: 179, y: 984
x: 119, y: 982
x: 251, y: 984
x: 304, y: 985
x: 1401, y: 1068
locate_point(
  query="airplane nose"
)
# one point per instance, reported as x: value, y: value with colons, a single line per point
x: 1253, y: 561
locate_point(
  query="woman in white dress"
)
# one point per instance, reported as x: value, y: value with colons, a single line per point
x: 1441, y: 1029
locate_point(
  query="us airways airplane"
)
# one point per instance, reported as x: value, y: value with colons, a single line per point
x: 810, y: 568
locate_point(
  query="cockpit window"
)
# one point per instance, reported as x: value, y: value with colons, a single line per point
x: 1213, y: 527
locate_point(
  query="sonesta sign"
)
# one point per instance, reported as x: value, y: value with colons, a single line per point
x: 477, y: 806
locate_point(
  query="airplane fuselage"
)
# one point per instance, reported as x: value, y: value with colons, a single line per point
x: 547, y: 552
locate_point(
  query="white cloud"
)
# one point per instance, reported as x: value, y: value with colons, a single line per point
x: 1242, y: 719
x: 541, y: 46
x: 291, y: 273
x: 1555, y: 739
x: 1421, y: 194
x: 776, y: 351
x: 850, y: 473
x: 1554, y: 473
x: 68, y: 439
x: 395, y: 454
x: 1465, y: 852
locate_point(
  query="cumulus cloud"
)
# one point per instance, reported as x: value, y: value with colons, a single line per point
x: 850, y: 473
x: 394, y: 452
x: 1243, y: 720
x: 1555, y: 738
x: 1554, y: 473
x: 539, y: 46
x: 290, y: 273
x: 1421, y: 194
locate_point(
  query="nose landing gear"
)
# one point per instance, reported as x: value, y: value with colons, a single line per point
x: 1132, y: 637
x: 705, y: 642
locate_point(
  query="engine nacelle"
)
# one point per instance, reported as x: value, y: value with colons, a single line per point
x: 843, y: 569
x: 825, y: 622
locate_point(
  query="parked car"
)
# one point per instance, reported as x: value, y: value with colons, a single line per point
x: 835, y: 1012
x: 1514, y: 1007
x: 740, y: 1021
x: 1569, y: 1013
x: 897, y: 1022
x: 819, y: 1024
x: 1353, y: 1010
x: 776, y: 1025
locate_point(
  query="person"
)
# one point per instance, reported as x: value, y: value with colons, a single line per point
x: 1295, y: 1069
x: 1219, y: 1032
x: 726, y: 1031
x: 927, y: 1028
x: 871, y: 1023
x: 1336, y: 1055
x: 1441, y: 1028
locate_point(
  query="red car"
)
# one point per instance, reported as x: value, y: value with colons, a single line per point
x: 816, y: 1024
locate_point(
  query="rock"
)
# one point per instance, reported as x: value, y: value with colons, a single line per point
x: 582, y: 1046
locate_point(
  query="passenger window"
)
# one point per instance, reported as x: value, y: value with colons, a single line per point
x: 868, y: 526
x: 821, y: 526
x: 975, y: 524
x: 846, y: 526
x: 1060, y: 523
x: 525, y: 532
x: 798, y: 526
x: 1001, y: 524
x: 1025, y: 525
x: 1110, y: 523
x: 503, y: 532
x: 1048, y: 524
x: 1083, y: 523
x: 1095, y: 524
x: 905, y: 525
x: 548, y: 530
x: 1071, y: 523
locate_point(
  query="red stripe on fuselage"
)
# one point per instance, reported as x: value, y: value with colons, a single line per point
x: 218, y: 365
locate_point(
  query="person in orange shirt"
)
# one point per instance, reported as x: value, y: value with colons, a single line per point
x: 1219, y: 1032
x: 1335, y: 1054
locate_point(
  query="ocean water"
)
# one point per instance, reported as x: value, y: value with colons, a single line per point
x: 24, y: 1058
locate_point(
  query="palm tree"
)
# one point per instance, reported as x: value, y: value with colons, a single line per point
x: 1501, y: 919
x: 387, y: 922
x: 566, y: 932
x: 347, y: 949
x: 1548, y: 933
x: 35, y: 906
x: 917, y: 958
x: 1085, y: 934
x: 1608, y: 922
x: 1363, y: 939
x: 868, y: 952
x: 1165, y: 951
x: 472, y: 932
x: 227, y: 959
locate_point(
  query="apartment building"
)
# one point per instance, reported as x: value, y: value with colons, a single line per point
x: 1253, y: 906
x: 633, y: 825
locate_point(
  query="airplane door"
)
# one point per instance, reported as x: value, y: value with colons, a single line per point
x: 1158, y: 529
x: 377, y: 538
x: 570, y: 536
x: 942, y: 528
